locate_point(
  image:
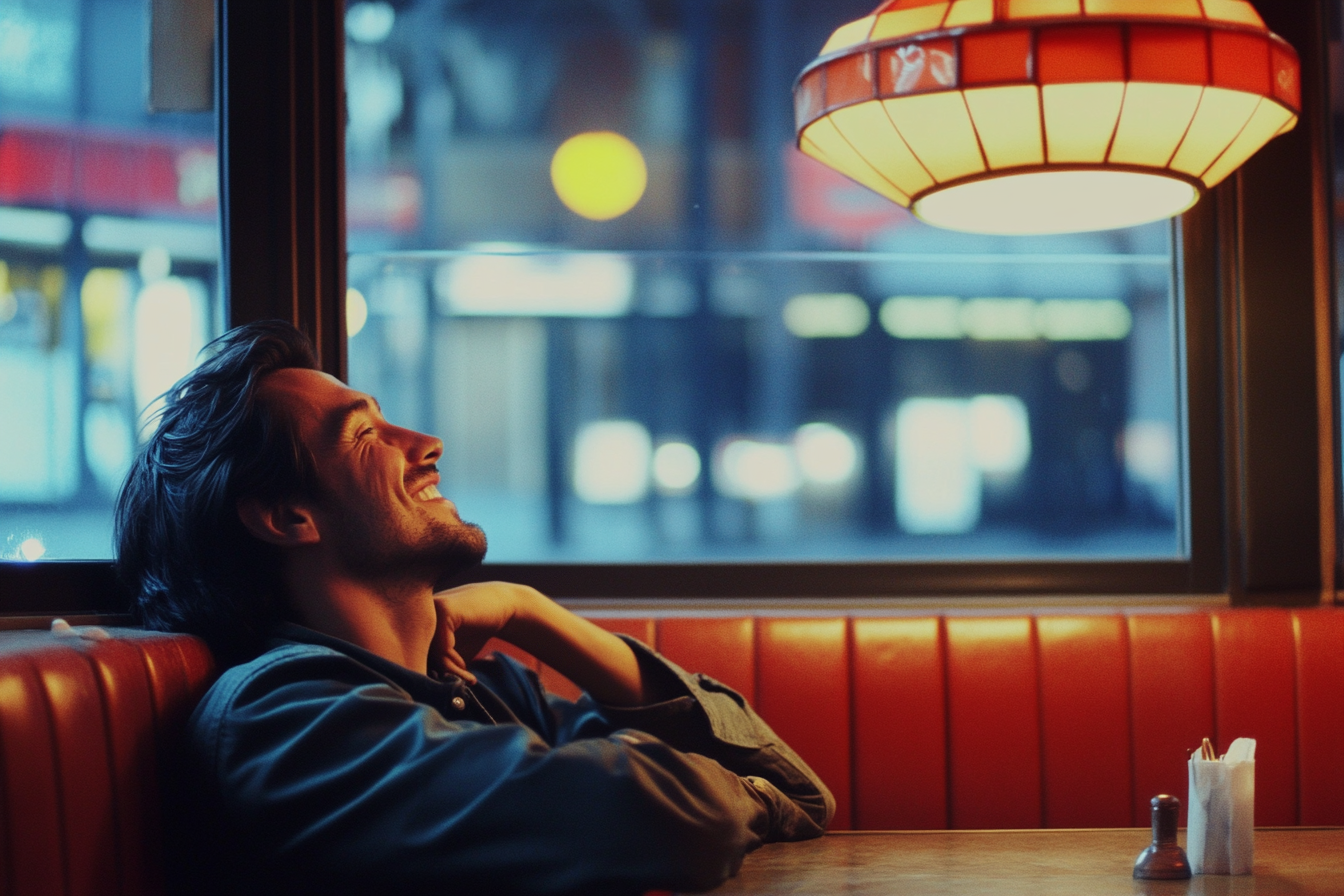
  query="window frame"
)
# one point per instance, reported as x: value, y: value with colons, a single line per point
x: 1254, y: 266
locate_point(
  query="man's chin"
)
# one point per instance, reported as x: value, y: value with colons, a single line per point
x: 465, y: 552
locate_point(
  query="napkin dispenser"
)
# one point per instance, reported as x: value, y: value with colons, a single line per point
x: 1220, y: 832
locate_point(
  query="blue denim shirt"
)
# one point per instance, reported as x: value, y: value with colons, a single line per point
x: 321, y: 767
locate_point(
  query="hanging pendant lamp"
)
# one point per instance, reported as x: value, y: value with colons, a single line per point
x: 1046, y: 116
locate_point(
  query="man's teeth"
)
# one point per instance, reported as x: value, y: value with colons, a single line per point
x: 428, y: 493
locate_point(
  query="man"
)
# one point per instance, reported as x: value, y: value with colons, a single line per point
x: 354, y: 743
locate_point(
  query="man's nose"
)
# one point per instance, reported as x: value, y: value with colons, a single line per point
x: 422, y: 448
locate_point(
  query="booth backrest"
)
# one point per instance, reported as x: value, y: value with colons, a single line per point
x: 915, y: 722
x: 86, y: 728
x: 1033, y: 720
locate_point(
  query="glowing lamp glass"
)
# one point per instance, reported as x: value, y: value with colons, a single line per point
x: 1046, y: 116
x: 1043, y: 202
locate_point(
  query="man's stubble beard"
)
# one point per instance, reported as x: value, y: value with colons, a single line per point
x: 439, y: 552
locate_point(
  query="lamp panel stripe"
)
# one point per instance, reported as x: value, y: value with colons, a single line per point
x: 1153, y: 120
x: 868, y: 125
x: 849, y: 80
x: 1222, y: 114
x: 1181, y: 9
x: 1284, y: 76
x: 849, y: 35
x: 1039, y: 9
x: 1080, y: 120
x: 937, y: 128
x: 892, y: 5
x: 909, y: 21
x: 1241, y: 62
x: 1238, y: 11
x: 809, y: 97
x: 1169, y: 54
x: 1269, y: 116
x: 969, y: 12
x: 840, y: 155
x: 1008, y: 122
x: 996, y: 57
x: 1088, y: 53
x: 917, y: 68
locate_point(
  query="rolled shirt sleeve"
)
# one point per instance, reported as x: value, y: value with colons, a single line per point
x: 321, y: 772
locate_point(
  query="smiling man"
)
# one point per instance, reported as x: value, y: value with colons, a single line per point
x: 355, y: 742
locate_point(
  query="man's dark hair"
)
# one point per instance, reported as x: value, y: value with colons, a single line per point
x: 182, y: 550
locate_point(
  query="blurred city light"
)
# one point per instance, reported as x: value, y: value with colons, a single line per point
x: 168, y: 323
x: 369, y: 23
x: 756, y: 470
x: 1000, y: 319
x: 835, y: 315
x: 1150, y: 452
x: 676, y: 467
x: 34, y: 227
x: 599, y: 175
x: 827, y: 455
x: 922, y: 317
x: 1083, y: 319
x: 356, y: 312
x: 506, y: 284
x: 611, y: 462
x: 1000, y: 434
x: 938, y: 484
x: 155, y: 263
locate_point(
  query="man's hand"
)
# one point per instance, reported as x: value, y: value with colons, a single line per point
x: 594, y: 659
x: 469, y: 616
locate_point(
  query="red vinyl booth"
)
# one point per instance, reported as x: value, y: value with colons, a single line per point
x: 960, y: 721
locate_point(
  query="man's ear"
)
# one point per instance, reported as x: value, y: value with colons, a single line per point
x: 284, y: 523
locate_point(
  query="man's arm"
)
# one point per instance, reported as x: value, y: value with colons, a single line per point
x: 638, y: 689
x: 597, y: 661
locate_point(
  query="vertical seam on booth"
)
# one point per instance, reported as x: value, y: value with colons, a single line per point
x: 947, y: 721
x: 852, y: 684
x: 113, y: 783
x: 1129, y: 718
x: 57, y: 772
x: 1297, y: 713
x: 1035, y: 635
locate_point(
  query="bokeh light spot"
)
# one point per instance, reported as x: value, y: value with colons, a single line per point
x: 599, y: 175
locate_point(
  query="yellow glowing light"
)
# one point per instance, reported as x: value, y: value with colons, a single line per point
x: 1057, y: 202
x: 599, y: 175
x: 356, y: 312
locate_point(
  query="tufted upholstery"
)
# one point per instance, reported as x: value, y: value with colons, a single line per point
x: 914, y: 722
x: 85, y: 728
x: 1034, y: 721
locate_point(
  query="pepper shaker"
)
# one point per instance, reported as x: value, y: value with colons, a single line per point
x: 1163, y: 859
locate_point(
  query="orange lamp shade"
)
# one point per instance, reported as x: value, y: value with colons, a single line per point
x: 1046, y: 116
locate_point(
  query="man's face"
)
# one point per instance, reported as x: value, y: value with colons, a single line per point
x: 379, y: 511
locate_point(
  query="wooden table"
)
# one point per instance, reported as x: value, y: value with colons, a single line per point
x: 1296, y: 861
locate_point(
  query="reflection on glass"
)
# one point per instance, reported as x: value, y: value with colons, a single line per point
x: 758, y: 359
x: 108, y: 264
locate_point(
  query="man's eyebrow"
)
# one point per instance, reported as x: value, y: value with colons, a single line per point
x: 340, y: 418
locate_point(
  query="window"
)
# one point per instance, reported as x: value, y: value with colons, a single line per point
x: 109, y: 248
x: 584, y: 252
x: 1258, y: 399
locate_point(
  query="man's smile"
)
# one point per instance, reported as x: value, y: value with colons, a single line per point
x: 428, y: 493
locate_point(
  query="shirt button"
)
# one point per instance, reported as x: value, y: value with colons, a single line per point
x: 459, y: 703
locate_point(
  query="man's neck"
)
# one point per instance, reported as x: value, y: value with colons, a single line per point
x: 394, y: 623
